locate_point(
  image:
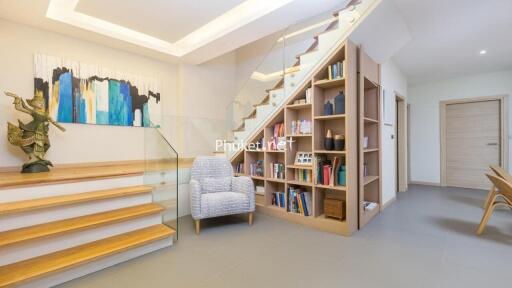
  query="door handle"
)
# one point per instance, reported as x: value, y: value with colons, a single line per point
x: 492, y: 144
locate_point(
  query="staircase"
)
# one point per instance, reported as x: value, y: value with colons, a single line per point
x: 294, y: 77
x: 70, y: 222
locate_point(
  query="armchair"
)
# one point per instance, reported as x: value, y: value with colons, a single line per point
x: 215, y: 192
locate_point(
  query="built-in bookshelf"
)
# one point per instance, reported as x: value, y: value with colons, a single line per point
x: 369, y: 138
x: 304, y: 196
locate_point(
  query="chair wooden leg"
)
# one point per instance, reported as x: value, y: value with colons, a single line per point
x: 490, y: 195
x: 251, y: 218
x: 198, y: 226
x: 486, y: 216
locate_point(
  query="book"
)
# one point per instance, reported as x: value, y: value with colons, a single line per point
x: 327, y: 174
x: 308, y: 197
x: 260, y: 190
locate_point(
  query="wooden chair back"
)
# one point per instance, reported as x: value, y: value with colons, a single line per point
x: 502, y: 173
x: 503, y: 186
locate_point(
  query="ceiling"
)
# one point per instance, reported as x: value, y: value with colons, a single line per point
x: 167, y: 20
x: 169, y: 30
x: 447, y: 36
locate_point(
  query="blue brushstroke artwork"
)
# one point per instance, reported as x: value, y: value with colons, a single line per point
x: 75, y: 93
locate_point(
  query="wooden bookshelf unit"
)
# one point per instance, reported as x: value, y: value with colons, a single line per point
x: 322, y: 88
x: 369, y: 149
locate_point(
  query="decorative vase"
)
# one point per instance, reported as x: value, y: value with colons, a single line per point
x: 328, y: 108
x: 339, y: 103
x: 329, y: 141
x: 342, y: 176
x: 339, y: 142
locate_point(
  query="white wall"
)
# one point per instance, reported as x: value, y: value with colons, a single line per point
x: 392, y: 80
x: 80, y: 143
x: 424, y: 122
x: 194, y: 98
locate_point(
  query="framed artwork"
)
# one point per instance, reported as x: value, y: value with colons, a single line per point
x: 82, y: 93
x: 304, y: 158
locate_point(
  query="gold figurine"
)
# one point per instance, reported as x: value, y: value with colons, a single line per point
x: 32, y: 138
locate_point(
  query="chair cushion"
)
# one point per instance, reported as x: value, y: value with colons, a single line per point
x: 212, y: 185
x: 224, y: 203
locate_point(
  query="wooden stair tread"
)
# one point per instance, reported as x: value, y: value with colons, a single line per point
x: 77, y: 224
x: 81, y: 172
x: 39, y: 203
x: 45, y: 265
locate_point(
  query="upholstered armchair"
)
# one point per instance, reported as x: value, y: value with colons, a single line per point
x: 215, y: 192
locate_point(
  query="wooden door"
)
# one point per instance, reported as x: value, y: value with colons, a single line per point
x: 472, y: 142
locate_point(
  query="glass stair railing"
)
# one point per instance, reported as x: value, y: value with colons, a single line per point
x: 295, y: 56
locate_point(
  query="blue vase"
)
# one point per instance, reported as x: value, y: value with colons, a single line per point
x: 328, y: 108
x: 342, y: 176
x: 339, y: 103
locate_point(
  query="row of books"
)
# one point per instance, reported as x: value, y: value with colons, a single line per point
x: 278, y: 137
x: 239, y: 168
x: 335, y: 70
x: 327, y: 171
x: 256, y: 168
x: 301, y: 127
x: 276, y: 170
x: 278, y: 199
x: 299, y: 201
x: 306, y: 99
x: 303, y: 175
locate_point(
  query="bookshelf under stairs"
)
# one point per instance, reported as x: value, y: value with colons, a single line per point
x: 73, y: 221
x: 299, y: 180
x: 302, y: 70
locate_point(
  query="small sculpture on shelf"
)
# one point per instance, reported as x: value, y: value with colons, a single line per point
x: 328, y: 108
x: 329, y: 141
x: 32, y: 138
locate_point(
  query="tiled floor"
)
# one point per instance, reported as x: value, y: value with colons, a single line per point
x: 425, y: 239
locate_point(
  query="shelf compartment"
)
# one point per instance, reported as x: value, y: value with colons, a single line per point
x: 299, y: 106
x: 276, y: 180
x: 370, y: 121
x: 329, y: 117
x: 371, y: 150
x: 259, y: 199
x: 369, y: 179
x: 337, y: 127
x: 371, y: 100
x: 326, y: 83
x: 298, y: 135
x: 273, y: 187
x: 322, y: 192
x: 299, y: 167
x: 299, y: 183
x: 329, y: 152
x: 340, y: 188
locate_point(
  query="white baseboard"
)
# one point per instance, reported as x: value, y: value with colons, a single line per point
x: 31, y: 249
x: 388, y: 203
x: 97, y: 265
x: 425, y: 183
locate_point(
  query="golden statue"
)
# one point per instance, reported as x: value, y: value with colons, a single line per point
x: 32, y: 138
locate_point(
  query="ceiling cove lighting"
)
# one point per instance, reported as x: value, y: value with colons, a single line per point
x: 483, y: 52
x: 239, y: 16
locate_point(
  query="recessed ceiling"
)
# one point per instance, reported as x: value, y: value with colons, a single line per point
x: 169, y: 20
x: 168, y: 30
x: 447, y: 37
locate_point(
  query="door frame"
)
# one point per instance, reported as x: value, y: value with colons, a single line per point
x: 401, y: 142
x: 503, y: 128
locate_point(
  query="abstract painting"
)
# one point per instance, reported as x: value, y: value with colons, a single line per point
x: 89, y: 94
